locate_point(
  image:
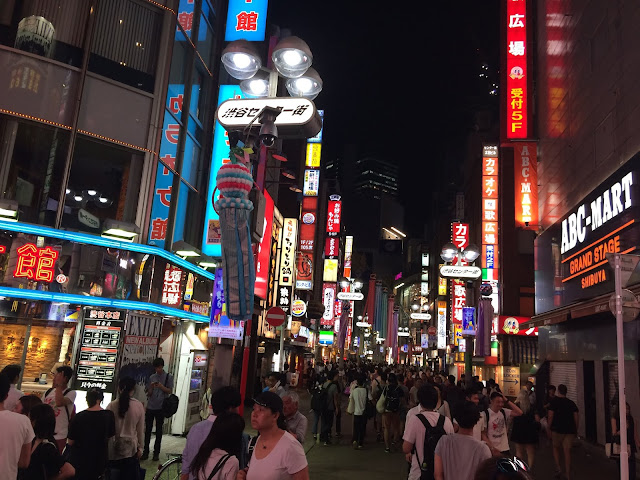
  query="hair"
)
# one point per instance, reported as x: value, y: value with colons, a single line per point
x: 384, y: 376
x: 488, y: 470
x: 451, y: 379
x: 428, y: 396
x: 5, y: 385
x: 94, y: 396
x: 470, y: 391
x: 331, y: 375
x: 551, y: 387
x: 225, y: 434
x: 562, y: 389
x: 12, y: 372
x: 529, y: 383
x: 225, y: 398
x: 400, y: 378
x: 468, y: 415
x: 28, y: 402
x: 66, y: 371
x: 522, y: 400
x: 43, y: 419
x: 393, y: 380
x: 126, y: 386
x: 292, y: 395
x: 495, y: 395
x: 158, y: 362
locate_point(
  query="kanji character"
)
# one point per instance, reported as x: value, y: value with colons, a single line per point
x: 159, y: 228
x: 165, y: 195
x: 515, y: 21
x: 516, y: 48
x: 299, y: 110
x: 185, y: 19
x: 247, y: 21
x: 27, y: 260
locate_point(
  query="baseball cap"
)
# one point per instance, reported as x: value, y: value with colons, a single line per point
x: 269, y: 400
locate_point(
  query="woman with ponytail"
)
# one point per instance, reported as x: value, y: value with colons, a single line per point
x: 125, y: 448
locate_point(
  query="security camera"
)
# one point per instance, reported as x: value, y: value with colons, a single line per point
x: 268, y: 130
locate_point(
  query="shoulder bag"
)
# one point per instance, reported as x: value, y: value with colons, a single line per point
x: 170, y: 403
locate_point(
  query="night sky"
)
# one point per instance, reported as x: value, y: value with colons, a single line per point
x: 399, y: 82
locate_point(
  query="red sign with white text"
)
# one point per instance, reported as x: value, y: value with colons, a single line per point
x: 334, y: 214
x: 460, y: 238
x: 332, y: 247
x: 171, y: 287
x: 264, y: 250
x: 526, y: 184
x: 516, y: 50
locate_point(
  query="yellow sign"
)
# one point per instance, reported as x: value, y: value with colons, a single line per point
x: 330, y: 273
x: 509, y: 380
x: 442, y: 285
x: 313, y: 155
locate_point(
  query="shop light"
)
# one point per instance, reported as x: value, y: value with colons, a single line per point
x: 404, y: 334
x: 362, y: 324
x: 295, y: 188
x: 308, y: 86
x: 398, y: 232
x: 292, y: 57
x: 9, y: 210
x: 118, y: 230
x: 241, y: 60
x: 207, y: 262
x: 183, y: 249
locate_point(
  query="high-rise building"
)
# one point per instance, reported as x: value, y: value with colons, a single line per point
x: 376, y: 177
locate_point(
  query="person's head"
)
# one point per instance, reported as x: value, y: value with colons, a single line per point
x: 5, y: 385
x: 462, y: 377
x: 468, y: 415
x: 384, y: 376
x: 267, y: 412
x: 400, y: 378
x: 331, y: 375
x: 451, y: 380
x: 62, y: 376
x: 551, y: 390
x: 158, y: 365
x: 290, y: 403
x: 428, y: 396
x: 225, y: 399
x: 471, y: 395
x: 438, y: 379
x: 25, y: 403
x: 529, y: 386
x: 126, y: 386
x: 497, y: 401
x: 43, y: 420
x: 562, y: 390
x: 418, y: 383
x: 360, y: 380
x: 12, y: 372
x: 225, y: 434
x: 522, y: 400
x: 393, y: 379
x: 491, y: 382
x: 94, y: 396
x: 501, y: 468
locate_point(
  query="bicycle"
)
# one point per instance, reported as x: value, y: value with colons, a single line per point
x: 170, y: 470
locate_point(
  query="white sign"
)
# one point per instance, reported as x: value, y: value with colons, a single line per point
x: 88, y: 219
x: 421, y: 316
x: 329, y: 300
x: 311, y: 183
x: 350, y: 296
x: 442, y: 327
x: 612, y: 202
x: 288, y: 254
x: 458, y: 271
x: 238, y: 113
x: 630, y: 306
x: 510, y: 381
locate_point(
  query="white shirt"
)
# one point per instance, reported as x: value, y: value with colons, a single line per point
x: 477, y: 428
x: 228, y: 470
x: 414, y: 433
x: 62, y: 419
x: 497, y: 428
x: 286, y: 459
x: 16, y: 431
x: 12, y: 399
x: 358, y: 398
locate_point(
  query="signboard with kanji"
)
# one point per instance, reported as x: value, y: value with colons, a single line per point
x: 36, y: 263
x: 288, y: 253
x: 246, y: 20
x: 525, y: 161
x: 171, y: 286
x: 516, y: 81
x: 334, y: 215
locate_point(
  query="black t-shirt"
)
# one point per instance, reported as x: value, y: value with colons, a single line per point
x: 563, y: 410
x: 90, y: 432
x: 45, y: 462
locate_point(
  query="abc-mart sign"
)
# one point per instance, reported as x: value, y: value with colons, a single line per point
x: 457, y: 271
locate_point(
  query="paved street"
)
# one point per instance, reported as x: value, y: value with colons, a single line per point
x: 340, y: 461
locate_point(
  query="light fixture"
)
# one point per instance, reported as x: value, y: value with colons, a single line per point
x: 398, y: 232
x: 449, y: 252
x: 207, y: 262
x: 77, y: 198
x: 471, y: 253
x: 292, y: 57
x: 308, y: 85
x: 91, y: 193
x: 183, y: 249
x: 241, y: 60
x: 362, y: 324
x: 9, y: 210
x: 415, y: 307
x: 295, y: 188
x: 357, y: 284
x: 118, y: 230
x: 281, y: 157
x: 360, y: 318
x: 256, y: 86
x: 290, y: 174
x: 344, y: 283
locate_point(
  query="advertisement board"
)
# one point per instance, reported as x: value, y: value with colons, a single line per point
x: 328, y: 299
x: 288, y: 251
x: 526, y: 184
x: 246, y: 20
x: 516, y: 51
x: 334, y: 215
x: 311, y: 184
x: 442, y: 325
x: 264, y: 250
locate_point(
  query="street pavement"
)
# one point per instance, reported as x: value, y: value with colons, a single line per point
x: 340, y: 461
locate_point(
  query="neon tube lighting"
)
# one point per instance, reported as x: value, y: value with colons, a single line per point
x: 398, y: 232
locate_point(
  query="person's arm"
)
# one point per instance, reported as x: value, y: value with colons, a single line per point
x: 407, y: 447
x: 515, y: 410
x: 301, y: 430
x: 25, y: 456
x: 614, y: 427
x: 438, y: 470
x: 302, y: 474
x: 169, y: 387
x: 140, y: 431
x: 60, y: 399
x: 549, y: 418
x: 67, y: 471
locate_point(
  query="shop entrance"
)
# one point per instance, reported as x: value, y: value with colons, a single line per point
x: 591, y: 429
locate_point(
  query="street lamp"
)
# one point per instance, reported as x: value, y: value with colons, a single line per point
x: 450, y: 251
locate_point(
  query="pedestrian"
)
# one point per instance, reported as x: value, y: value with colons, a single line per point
x: 17, y: 434
x: 13, y: 373
x: 494, y: 428
x: 61, y: 398
x: 413, y: 393
x: 358, y: 398
x: 404, y: 403
x: 26, y: 403
x: 532, y: 395
x: 526, y: 428
x: 563, y: 423
x: 461, y: 445
x: 443, y: 407
x: 159, y: 387
x: 472, y: 395
x: 46, y: 461
x: 378, y: 383
x: 632, y: 438
x: 218, y: 456
x: 125, y: 448
x: 89, y: 435
x: 544, y: 422
x: 416, y: 431
x: 462, y: 383
x: 318, y: 404
x: 330, y: 401
x: 339, y: 381
x: 273, y: 383
x: 389, y: 405
x: 295, y: 421
x: 501, y: 468
x: 277, y: 454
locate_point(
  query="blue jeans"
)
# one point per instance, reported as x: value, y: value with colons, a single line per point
x: 316, y: 421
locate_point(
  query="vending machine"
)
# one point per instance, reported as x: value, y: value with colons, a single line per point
x: 190, y: 386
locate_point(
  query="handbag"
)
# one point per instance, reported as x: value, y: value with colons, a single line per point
x: 169, y: 404
x: 121, y: 447
x: 351, y: 408
x: 369, y: 410
x: 612, y: 449
x: 380, y: 404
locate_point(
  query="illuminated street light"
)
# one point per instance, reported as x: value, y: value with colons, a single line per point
x: 241, y: 60
x: 449, y: 252
x: 308, y: 86
x: 471, y: 253
x: 292, y: 57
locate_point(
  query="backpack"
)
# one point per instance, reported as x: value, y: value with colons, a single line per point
x: 486, y: 417
x: 219, y: 466
x: 170, y: 403
x: 73, y: 407
x: 432, y: 436
x: 392, y: 399
x: 319, y: 397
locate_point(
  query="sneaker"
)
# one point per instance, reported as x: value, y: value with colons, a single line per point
x: 355, y: 444
x: 156, y: 457
x: 145, y: 456
x: 326, y: 444
x: 315, y: 436
x: 359, y: 447
x: 387, y: 450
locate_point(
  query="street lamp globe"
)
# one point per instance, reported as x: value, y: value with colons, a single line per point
x: 471, y: 253
x: 241, y: 60
x: 357, y: 284
x: 308, y: 85
x: 344, y: 283
x: 415, y: 307
x: 449, y: 252
x: 292, y: 57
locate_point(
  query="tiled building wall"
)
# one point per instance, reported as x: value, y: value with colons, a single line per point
x: 588, y: 97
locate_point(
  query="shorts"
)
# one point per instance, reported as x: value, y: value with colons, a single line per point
x: 562, y: 439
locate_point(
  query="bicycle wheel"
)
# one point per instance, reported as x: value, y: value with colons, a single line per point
x: 170, y: 470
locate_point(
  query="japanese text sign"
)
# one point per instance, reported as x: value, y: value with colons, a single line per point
x: 334, y: 214
x: 288, y: 253
x: 311, y: 183
x: 348, y: 254
x: 264, y: 250
x: 308, y: 225
x: 313, y: 155
x: 516, y: 52
x: 171, y: 293
x: 36, y: 263
x: 332, y: 247
x: 328, y: 299
x: 460, y: 235
x: 526, y: 184
x: 490, y: 196
x: 246, y: 20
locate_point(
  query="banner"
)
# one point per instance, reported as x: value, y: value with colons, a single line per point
x: 526, y: 184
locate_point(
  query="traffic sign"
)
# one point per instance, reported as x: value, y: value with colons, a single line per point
x: 350, y: 296
x: 432, y: 331
x: 275, y: 316
x: 630, y: 306
x: 628, y: 267
x: 458, y: 271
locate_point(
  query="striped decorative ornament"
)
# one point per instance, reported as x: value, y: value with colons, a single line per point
x: 234, y: 180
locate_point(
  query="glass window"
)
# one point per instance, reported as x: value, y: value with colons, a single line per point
x: 191, y: 171
x: 53, y: 28
x: 125, y: 43
x: 104, y: 183
x: 190, y: 205
x: 31, y: 167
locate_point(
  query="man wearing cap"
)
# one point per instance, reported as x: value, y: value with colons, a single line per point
x: 295, y: 421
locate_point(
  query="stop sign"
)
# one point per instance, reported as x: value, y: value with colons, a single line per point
x: 432, y: 331
x: 275, y: 316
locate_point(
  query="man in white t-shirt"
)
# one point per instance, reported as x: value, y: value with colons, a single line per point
x: 15, y: 441
x: 13, y: 373
x: 61, y: 398
x: 494, y: 428
x: 414, y: 431
x: 472, y: 395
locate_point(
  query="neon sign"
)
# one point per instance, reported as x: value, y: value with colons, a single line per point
x: 36, y: 263
x: 517, y: 99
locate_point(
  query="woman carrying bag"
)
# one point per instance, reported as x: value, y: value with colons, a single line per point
x: 125, y: 449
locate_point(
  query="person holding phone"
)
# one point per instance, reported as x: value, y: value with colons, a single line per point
x: 160, y: 387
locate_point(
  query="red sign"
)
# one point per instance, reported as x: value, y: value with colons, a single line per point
x: 171, y: 294
x: 308, y: 224
x: 460, y: 235
x: 332, y: 247
x: 334, y: 214
x: 526, y: 184
x: 516, y: 51
x: 506, y: 325
x: 264, y: 250
x: 460, y: 238
x: 275, y: 316
x: 432, y: 331
x: 36, y: 263
x: 490, y: 193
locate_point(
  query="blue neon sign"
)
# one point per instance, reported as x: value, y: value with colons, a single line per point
x: 246, y: 20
